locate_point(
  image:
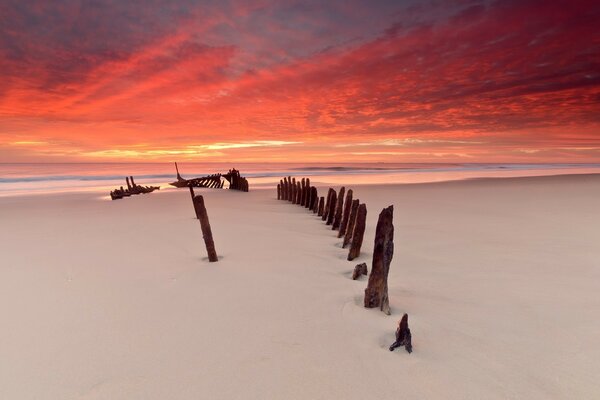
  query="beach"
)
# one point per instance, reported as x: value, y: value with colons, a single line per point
x: 117, y: 300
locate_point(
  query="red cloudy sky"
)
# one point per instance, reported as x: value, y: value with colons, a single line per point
x: 397, y: 81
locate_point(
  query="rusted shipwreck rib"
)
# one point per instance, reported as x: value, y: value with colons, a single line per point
x: 214, y: 181
x: 132, y: 189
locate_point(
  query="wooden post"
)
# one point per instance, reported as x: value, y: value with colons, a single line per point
x: 358, y: 233
x: 351, y: 221
x: 403, y: 336
x: 278, y: 191
x: 326, y: 208
x: 128, y: 184
x: 285, y: 188
x: 298, y: 193
x: 206, y: 231
x: 302, y: 192
x: 293, y: 191
x: 321, y: 206
x: 376, y: 293
x: 347, y: 205
x: 289, y: 194
x: 332, y: 205
x: 337, y: 217
x: 313, y: 198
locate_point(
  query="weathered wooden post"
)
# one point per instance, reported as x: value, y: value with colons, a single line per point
x: 321, y: 206
x: 313, y: 199
x: 298, y: 192
x: 351, y: 221
x: 376, y: 293
x: 326, y: 208
x: 285, y: 188
x: 278, y: 191
x: 337, y: 217
x: 403, y: 336
x: 346, y: 214
x: 358, y: 233
x: 302, y: 191
x: 332, y: 204
x: 293, y: 190
x: 205, y: 225
x: 307, y: 194
x: 128, y: 184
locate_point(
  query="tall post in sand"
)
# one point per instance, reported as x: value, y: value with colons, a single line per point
x: 278, y: 191
x: 337, y: 217
x: 298, y: 192
x: 313, y: 199
x: 326, y: 208
x: 293, y: 190
x: 331, y: 210
x: 205, y: 225
x: 285, y: 188
x: 302, y: 192
x: 289, y: 194
x: 321, y: 206
x: 351, y: 221
x: 376, y: 293
x: 308, y: 193
x: 128, y: 184
x: 346, y: 214
x: 359, y: 232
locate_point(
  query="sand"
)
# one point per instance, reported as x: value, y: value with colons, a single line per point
x: 116, y: 300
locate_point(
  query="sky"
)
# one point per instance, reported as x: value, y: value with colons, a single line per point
x: 303, y: 81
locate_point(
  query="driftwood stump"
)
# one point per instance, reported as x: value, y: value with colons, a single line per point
x: 376, y: 293
x: 346, y: 213
x: 327, y: 201
x: 337, y: 216
x: 298, y: 192
x: 321, y: 206
x: 403, y: 336
x: 358, y: 233
x: 293, y: 190
x: 359, y: 269
x: 308, y: 195
x: 351, y: 222
x: 205, y: 225
x: 331, y: 210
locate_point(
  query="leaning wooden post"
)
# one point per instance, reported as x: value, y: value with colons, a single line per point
x: 326, y: 208
x: 332, y: 204
x: 196, y: 210
x: 206, y: 231
x: 346, y: 214
x: 376, y: 293
x: 278, y: 191
x: 321, y: 206
x: 351, y: 221
x: 358, y: 233
x: 337, y: 217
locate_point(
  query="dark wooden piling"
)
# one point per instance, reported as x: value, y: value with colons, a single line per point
x: 298, y: 192
x: 332, y: 205
x: 278, y: 191
x: 289, y: 194
x: 351, y: 221
x: 293, y: 191
x: 128, y: 184
x: 403, y: 336
x: 376, y: 293
x: 326, y: 208
x: 321, y: 206
x: 205, y: 225
x: 308, y: 192
x: 337, y: 216
x: 313, y: 199
x: 302, y: 192
x: 358, y: 232
x: 346, y: 213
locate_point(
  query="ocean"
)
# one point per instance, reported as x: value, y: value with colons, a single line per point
x: 44, y: 178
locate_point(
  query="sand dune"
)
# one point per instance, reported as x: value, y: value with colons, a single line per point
x: 116, y: 300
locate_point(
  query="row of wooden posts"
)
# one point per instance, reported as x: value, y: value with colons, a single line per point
x: 348, y: 217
